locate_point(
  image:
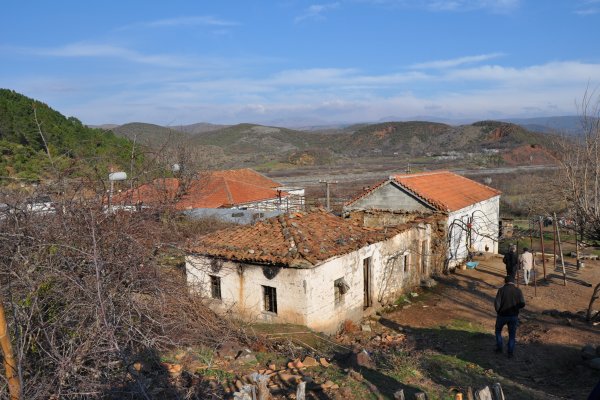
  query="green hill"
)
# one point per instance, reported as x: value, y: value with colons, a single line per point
x: 148, y: 134
x: 265, y: 140
x: 71, y: 145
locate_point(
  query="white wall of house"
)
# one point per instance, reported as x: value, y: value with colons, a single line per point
x: 484, y: 232
x: 307, y: 296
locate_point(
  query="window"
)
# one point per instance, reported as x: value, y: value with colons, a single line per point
x: 237, y: 214
x: 270, y: 299
x: 340, y: 288
x: 406, y: 261
x: 215, y: 287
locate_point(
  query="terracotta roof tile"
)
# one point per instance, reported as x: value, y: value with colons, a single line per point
x: 300, y: 240
x: 209, y: 190
x: 445, y: 190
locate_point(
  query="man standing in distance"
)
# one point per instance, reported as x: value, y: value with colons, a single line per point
x: 509, y: 300
x: 511, y: 261
x: 526, y: 261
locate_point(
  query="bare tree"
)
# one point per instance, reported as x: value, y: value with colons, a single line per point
x: 86, y: 296
x: 580, y: 162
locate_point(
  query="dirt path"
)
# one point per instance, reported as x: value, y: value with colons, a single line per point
x: 457, y: 319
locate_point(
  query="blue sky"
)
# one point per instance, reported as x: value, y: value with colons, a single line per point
x: 297, y: 62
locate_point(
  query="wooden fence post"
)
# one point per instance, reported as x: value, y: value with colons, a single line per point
x: 562, y: 259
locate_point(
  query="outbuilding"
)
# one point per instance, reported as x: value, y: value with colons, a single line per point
x: 472, y: 209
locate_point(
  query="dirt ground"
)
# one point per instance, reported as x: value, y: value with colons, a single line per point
x: 457, y: 319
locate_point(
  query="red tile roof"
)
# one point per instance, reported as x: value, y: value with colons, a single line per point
x: 300, y: 240
x: 443, y: 190
x: 210, y: 190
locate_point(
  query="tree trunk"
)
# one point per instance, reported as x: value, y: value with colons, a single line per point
x: 10, y: 366
x: 595, y: 295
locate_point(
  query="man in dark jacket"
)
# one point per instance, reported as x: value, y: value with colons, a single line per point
x: 509, y: 301
x: 511, y: 261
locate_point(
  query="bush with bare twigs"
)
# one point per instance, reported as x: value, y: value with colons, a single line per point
x: 86, y: 297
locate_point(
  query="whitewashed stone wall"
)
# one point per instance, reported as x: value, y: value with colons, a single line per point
x: 485, y: 216
x: 307, y: 296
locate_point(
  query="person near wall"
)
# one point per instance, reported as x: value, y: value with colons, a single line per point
x: 511, y: 261
x: 508, y: 303
x: 526, y: 262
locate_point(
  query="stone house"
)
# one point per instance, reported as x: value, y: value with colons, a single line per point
x: 471, y: 209
x: 313, y: 269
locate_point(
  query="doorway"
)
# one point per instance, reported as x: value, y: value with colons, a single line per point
x: 367, y: 282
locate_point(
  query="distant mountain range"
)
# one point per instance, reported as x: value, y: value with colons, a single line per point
x: 252, y: 145
x: 569, y: 124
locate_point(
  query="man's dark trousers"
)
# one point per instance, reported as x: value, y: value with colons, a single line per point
x: 512, y: 322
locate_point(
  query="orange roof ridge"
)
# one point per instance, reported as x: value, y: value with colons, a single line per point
x: 422, y: 173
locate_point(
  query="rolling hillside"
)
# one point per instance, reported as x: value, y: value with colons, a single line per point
x: 419, y: 138
x: 258, y: 139
x: 148, y: 134
x: 72, y: 146
x: 247, y: 145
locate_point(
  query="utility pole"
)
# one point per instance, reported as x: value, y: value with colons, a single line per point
x: 327, y: 184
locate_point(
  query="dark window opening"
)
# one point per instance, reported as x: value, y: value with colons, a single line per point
x: 270, y: 299
x: 406, y: 262
x: 340, y: 288
x: 237, y: 214
x: 215, y: 287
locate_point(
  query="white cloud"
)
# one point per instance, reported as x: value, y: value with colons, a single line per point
x: 81, y: 50
x: 496, y: 6
x: 316, y: 11
x: 202, y: 20
x: 183, y: 21
x: 325, y: 94
x: 550, y: 74
x: 455, y: 62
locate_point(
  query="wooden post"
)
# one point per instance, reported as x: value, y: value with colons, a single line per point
x: 554, y: 240
x: 562, y: 259
x: 534, y: 274
x: 300, y: 391
x: 576, y: 247
x: 542, y: 244
x: 327, y: 184
x: 518, y: 271
x: 531, y: 235
x: 10, y: 365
